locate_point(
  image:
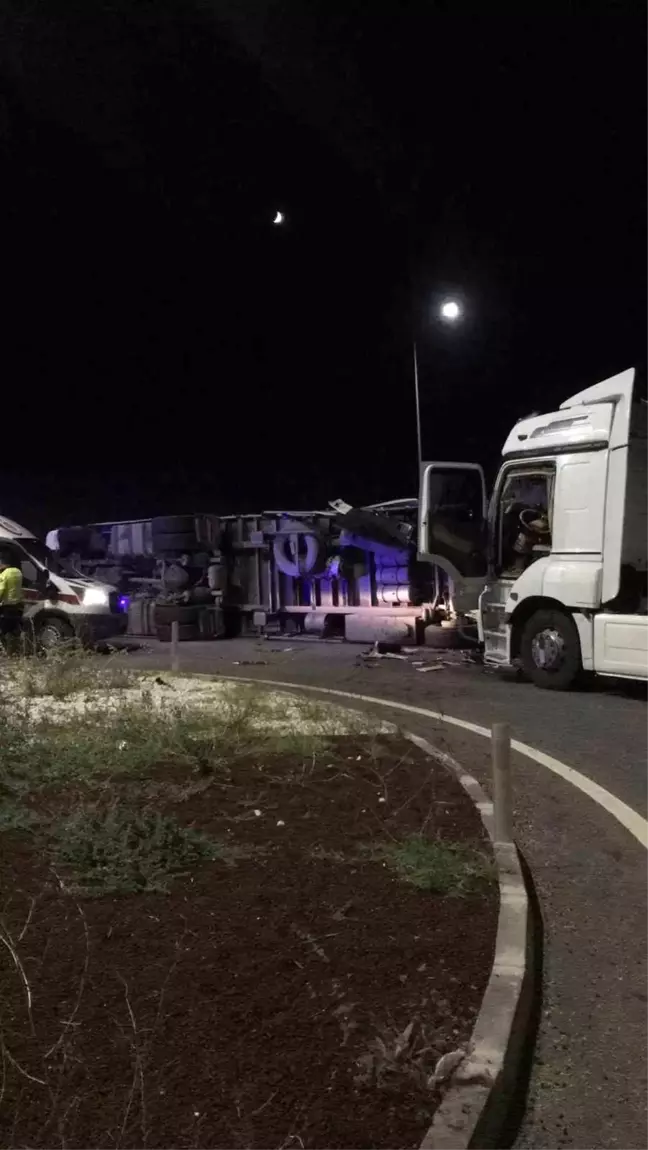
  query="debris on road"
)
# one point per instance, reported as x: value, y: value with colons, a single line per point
x: 250, y: 663
x: 383, y: 648
x: 446, y: 1067
x: 474, y: 655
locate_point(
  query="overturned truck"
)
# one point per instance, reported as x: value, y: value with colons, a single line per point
x: 344, y: 572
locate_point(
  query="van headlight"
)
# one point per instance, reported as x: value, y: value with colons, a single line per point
x: 95, y: 597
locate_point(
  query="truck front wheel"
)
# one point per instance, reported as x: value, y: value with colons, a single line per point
x: 550, y: 650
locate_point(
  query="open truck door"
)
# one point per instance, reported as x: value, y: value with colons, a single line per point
x: 452, y: 531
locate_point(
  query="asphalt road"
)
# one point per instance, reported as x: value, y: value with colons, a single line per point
x: 588, y: 1078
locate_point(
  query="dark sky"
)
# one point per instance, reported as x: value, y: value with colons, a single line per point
x: 166, y: 348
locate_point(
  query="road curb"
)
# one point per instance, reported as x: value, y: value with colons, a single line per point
x: 478, y: 1101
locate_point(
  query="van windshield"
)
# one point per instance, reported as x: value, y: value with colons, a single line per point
x: 35, y: 549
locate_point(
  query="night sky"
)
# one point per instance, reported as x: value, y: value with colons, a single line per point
x: 165, y: 348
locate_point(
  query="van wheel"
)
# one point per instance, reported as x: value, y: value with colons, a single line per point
x: 550, y: 650
x: 52, y: 631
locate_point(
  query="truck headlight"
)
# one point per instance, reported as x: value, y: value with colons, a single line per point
x: 95, y: 597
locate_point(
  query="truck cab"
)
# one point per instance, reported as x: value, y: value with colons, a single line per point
x: 60, y: 605
x: 556, y: 562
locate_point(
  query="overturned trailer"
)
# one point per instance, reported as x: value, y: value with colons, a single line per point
x: 342, y: 572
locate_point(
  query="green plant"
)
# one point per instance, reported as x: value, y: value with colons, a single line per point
x: 66, y: 670
x: 122, y: 851
x: 395, y: 1060
x: 21, y: 755
x: 16, y: 817
x: 125, y: 740
x: 435, y: 865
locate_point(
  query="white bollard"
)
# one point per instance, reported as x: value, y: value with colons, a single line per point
x: 502, y: 789
x: 175, y: 654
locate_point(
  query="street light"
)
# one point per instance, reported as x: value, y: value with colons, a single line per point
x: 450, y: 311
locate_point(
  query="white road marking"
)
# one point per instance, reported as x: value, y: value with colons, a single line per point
x: 633, y: 822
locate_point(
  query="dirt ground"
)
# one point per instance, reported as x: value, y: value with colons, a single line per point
x: 264, y: 1000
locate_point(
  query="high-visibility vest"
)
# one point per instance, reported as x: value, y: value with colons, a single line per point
x: 11, y: 587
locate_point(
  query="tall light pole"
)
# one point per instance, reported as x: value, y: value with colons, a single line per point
x: 419, y: 444
x: 450, y: 311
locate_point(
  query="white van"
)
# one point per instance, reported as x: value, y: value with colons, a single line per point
x: 61, y: 604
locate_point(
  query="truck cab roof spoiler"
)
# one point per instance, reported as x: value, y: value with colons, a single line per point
x: 616, y: 389
x: 595, y: 418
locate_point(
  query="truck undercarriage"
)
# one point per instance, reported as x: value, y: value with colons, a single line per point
x: 342, y: 572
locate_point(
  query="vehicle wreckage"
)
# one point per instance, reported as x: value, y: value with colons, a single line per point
x: 343, y: 572
x: 553, y: 568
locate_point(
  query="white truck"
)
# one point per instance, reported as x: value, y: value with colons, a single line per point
x: 556, y: 562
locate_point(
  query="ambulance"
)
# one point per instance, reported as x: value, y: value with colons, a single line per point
x: 61, y: 604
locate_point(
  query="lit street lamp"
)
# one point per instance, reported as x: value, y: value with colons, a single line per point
x: 450, y: 311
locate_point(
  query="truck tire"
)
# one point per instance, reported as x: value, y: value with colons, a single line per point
x: 550, y: 650
x: 177, y: 542
x: 175, y: 577
x: 442, y: 638
x: 73, y: 539
x: 166, y: 613
x: 173, y: 525
x: 186, y: 632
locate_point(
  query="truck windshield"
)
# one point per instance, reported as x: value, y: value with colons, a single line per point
x: 524, y: 517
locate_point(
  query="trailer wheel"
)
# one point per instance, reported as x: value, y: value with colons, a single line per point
x: 186, y: 632
x: 51, y: 631
x: 165, y: 613
x: 175, y: 577
x: 174, y: 525
x: 550, y: 650
x: 176, y: 542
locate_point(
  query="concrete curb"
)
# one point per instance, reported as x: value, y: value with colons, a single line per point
x: 478, y: 1098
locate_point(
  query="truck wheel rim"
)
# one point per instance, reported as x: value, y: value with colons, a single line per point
x: 548, y: 649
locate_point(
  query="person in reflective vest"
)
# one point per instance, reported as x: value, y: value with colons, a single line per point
x: 12, y: 602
